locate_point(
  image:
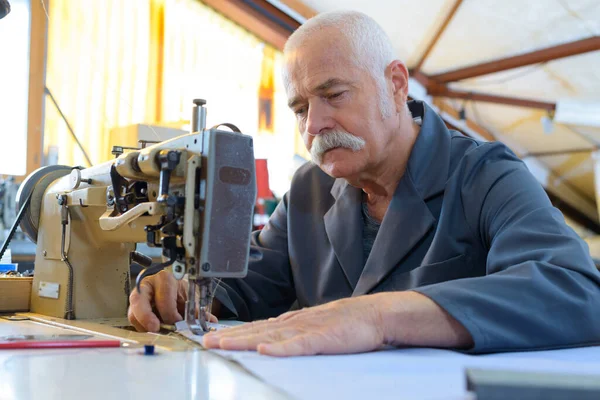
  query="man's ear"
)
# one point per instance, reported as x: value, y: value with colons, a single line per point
x: 398, y: 74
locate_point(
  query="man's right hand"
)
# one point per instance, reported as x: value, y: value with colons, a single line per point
x: 168, y: 296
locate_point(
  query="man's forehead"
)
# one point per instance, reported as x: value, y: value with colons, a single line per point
x: 306, y: 76
x: 295, y: 92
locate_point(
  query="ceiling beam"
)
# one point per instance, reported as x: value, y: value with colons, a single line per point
x: 263, y: 19
x: 443, y: 91
x: 298, y: 6
x: 437, y: 35
x: 535, y: 57
x: 271, y: 12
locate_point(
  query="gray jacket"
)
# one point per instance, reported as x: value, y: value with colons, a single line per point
x: 468, y: 226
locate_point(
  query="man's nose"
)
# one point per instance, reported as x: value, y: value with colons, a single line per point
x: 318, y: 120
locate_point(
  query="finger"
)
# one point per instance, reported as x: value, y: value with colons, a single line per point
x: 251, y: 328
x: 211, y: 318
x: 182, y: 289
x: 166, y: 297
x: 213, y: 338
x: 250, y: 342
x: 301, y: 345
x: 133, y: 321
x: 140, y: 307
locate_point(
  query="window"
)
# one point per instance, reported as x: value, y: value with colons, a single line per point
x: 14, y: 86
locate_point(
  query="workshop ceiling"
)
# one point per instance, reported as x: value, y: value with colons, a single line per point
x: 480, y: 31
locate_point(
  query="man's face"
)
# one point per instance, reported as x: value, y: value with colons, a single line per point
x: 337, y: 105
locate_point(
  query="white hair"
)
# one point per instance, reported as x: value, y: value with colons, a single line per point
x: 371, y: 47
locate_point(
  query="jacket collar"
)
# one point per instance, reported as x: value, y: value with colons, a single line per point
x: 407, y: 219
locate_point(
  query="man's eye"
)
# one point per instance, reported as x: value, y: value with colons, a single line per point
x: 335, y: 95
x: 300, y: 111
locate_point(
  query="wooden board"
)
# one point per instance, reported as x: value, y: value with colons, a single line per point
x: 15, y: 294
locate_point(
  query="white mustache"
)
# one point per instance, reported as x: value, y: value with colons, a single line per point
x: 334, y: 139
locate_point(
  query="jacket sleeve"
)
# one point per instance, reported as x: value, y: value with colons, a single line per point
x: 541, y: 288
x: 268, y: 289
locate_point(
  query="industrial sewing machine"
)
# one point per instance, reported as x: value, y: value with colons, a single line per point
x: 193, y: 196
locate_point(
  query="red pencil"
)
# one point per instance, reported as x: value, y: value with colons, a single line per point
x: 57, y: 344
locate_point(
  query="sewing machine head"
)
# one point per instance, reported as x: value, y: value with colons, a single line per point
x: 193, y: 196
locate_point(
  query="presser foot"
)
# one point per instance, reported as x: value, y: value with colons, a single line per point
x: 199, y: 327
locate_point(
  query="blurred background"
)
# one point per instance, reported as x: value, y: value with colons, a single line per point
x: 81, y: 76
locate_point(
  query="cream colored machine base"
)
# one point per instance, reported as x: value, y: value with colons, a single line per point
x: 100, y: 262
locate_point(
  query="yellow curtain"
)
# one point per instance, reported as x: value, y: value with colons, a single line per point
x: 97, y: 69
x: 208, y: 56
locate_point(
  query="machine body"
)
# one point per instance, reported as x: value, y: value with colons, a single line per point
x: 193, y: 196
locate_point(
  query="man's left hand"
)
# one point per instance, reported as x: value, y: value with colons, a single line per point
x: 351, y: 325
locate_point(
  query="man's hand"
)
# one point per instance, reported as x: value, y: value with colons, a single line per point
x: 168, y: 296
x: 353, y: 325
x: 346, y: 326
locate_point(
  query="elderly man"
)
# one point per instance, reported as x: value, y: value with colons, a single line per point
x: 400, y: 232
